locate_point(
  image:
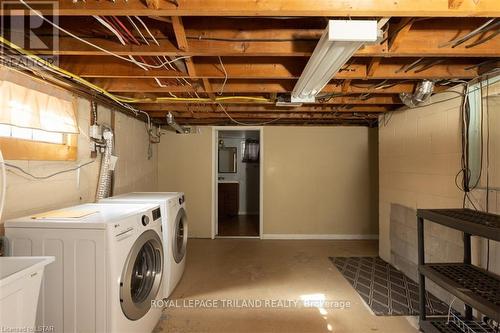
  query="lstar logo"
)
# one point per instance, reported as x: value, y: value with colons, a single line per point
x: 31, y: 25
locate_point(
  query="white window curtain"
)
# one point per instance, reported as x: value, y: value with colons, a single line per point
x: 251, y: 153
x: 29, y: 108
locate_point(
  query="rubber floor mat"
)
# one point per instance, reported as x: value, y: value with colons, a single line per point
x: 385, y: 289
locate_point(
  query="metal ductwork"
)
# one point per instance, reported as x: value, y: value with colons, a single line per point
x: 178, y: 128
x: 106, y: 172
x: 422, y: 93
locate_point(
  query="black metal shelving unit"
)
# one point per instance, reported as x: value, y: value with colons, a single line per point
x: 476, y: 287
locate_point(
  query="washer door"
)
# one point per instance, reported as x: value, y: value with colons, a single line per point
x: 180, y: 236
x: 141, y: 276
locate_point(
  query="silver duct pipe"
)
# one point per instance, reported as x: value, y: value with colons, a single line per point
x: 105, y: 174
x: 422, y: 93
x: 171, y: 122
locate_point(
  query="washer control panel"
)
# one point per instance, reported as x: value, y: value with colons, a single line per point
x: 156, y: 214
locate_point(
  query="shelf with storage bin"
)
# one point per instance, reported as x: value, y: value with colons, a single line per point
x: 476, y: 287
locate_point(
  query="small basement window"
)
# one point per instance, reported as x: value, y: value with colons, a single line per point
x: 37, y: 121
x: 10, y: 131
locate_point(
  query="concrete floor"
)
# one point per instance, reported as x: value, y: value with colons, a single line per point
x: 254, y: 269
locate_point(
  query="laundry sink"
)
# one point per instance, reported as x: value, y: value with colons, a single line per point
x: 20, y: 281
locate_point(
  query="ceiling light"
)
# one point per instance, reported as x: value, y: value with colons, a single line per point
x: 340, y: 40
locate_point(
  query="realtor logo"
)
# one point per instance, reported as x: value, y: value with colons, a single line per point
x: 21, y: 26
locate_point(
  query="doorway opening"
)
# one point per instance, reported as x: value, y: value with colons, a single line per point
x: 237, y: 175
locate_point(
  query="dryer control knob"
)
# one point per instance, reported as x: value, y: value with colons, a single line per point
x: 145, y: 220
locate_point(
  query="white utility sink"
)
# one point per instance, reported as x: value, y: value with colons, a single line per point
x: 20, y: 281
x: 228, y: 181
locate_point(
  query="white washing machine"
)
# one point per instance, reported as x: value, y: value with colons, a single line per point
x: 175, y: 231
x: 108, y: 267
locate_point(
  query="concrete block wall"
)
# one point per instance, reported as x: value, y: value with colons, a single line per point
x: 419, y: 156
x: 442, y: 243
x: 478, y: 196
x: 134, y: 172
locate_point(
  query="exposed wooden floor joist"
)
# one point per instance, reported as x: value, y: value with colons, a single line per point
x: 259, y: 49
x: 353, y: 8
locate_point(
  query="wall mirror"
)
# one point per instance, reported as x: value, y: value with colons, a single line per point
x: 227, y: 159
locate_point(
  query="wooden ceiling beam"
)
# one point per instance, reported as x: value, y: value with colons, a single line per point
x: 354, y: 121
x: 153, y: 4
x: 274, y: 121
x: 241, y: 86
x: 416, y: 43
x: 489, y: 66
x: 399, y: 33
x: 180, y: 33
x: 207, y: 87
x: 153, y: 108
x: 216, y: 115
x: 278, y: 87
x: 327, y: 105
x: 345, y: 86
x: 454, y: 4
x: 355, y: 8
x: 286, y: 68
x: 372, y: 67
x: 150, y: 86
x: 182, y: 43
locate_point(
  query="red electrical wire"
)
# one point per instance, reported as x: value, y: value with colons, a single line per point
x: 111, y: 23
x: 132, y: 38
x: 125, y: 37
x: 124, y: 31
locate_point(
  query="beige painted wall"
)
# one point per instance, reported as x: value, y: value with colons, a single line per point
x: 317, y: 180
x: 133, y: 171
x: 185, y: 165
x: 320, y: 181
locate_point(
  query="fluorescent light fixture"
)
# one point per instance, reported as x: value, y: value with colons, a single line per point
x: 340, y: 40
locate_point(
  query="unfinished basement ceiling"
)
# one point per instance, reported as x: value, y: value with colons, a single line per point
x: 247, y: 52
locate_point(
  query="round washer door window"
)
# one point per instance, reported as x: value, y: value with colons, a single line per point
x: 141, y: 276
x: 180, y: 236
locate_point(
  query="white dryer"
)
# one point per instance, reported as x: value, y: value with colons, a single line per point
x: 108, y: 267
x: 175, y: 233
